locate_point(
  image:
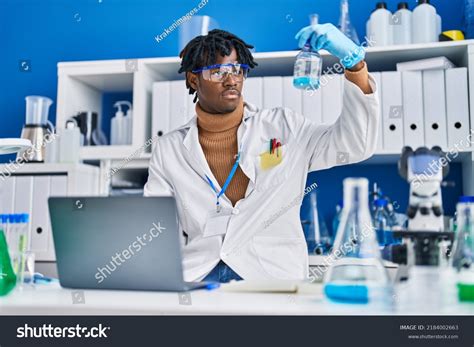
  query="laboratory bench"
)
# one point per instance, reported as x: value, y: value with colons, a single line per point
x: 51, y: 299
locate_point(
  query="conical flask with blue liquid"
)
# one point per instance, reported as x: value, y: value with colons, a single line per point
x: 357, y: 273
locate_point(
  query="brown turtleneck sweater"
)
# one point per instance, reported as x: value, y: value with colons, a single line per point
x: 218, y: 139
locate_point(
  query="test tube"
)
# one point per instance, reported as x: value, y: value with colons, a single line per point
x: 3, y: 225
x: 13, y: 241
x: 22, y: 232
x: 18, y: 229
x: 27, y: 272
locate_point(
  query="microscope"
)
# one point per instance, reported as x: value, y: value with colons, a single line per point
x: 423, y: 171
x: 425, y: 241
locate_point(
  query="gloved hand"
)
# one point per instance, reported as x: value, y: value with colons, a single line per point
x: 328, y: 37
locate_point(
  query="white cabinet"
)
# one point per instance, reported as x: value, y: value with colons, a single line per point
x: 27, y: 189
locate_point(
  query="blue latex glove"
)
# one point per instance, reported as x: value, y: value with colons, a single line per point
x: 330, y: 38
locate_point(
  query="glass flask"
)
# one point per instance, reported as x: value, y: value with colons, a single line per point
x: 7, y: 275
x: 316, y: 233
x: 345, y: 24
x: 357, y: 273
x: 308, y: 65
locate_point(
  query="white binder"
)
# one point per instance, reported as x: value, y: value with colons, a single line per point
x: 272, y: 92
x: 392, y: 111
x: 190, y: 105
x: 414, y: 130
x: 331, y: 88
x: 40, y: 215
x: 378, y: 79
x: 252, y: 91
x: 434, y: 102
x: 292, y: 97
x: 160, y: 119
x: 457, y: 106
x: 178, y: 104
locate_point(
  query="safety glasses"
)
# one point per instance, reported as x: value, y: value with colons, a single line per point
x: 219, y: 72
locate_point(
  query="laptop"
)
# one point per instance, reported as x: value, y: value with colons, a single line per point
x: 126, y: 242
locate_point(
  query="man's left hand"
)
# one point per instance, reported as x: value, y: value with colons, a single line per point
x: 328, y: 37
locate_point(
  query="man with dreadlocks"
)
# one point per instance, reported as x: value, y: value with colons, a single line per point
x: 238, y: 173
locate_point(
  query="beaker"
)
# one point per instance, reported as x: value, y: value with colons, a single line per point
x: 193, y: 27
x: 37, y: 109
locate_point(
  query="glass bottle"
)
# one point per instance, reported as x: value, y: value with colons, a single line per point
x: 337, y: 218
x: 308, y: 65
x: 357, y: 273
x: 381, y: 221
x: 317, y: 235
x: 463, y: 251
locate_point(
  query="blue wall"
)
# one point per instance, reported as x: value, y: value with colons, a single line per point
x: 45, y: 32
x: 48, y: 31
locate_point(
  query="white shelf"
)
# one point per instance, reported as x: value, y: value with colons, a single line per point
x: 383, y: 157
x: 325, y: 260
x: 47, y: 168
x: 110, y: 152
x: 281, y: 63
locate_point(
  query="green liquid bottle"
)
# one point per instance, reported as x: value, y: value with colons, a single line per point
x: 463, y: 251
x: 7, y: 276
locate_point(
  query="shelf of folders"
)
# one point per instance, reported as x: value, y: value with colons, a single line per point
x: 418, y: 108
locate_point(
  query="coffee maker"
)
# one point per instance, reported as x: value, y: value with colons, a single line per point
x: 37, y: 128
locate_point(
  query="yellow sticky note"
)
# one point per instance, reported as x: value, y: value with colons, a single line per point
x: 267, y: 160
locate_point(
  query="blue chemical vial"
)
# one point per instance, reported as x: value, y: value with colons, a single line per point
x: 307, y: 72
x: 308, y: 65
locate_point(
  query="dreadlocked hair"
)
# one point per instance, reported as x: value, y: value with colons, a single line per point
x: 203, y: 49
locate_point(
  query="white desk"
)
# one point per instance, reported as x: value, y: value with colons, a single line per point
x: 51, y: 299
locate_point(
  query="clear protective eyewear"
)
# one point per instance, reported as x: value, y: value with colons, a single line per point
x: 219, y: 72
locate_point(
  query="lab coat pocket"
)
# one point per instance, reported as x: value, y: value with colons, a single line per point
x: 282, y: 257
x: 271, y: 170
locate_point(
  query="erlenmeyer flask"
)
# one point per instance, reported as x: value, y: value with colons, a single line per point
x: 7, y: 275
x: 356, y: 273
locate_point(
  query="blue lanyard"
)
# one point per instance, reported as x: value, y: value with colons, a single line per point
x: 226, y: 183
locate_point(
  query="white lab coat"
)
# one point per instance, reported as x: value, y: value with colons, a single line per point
x: 264, y: 237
